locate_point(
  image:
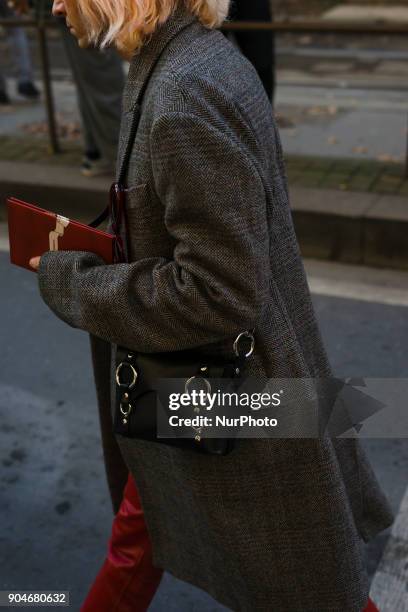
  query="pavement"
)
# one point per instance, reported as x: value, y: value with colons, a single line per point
x: 357, y: 12
x: 348, y: 120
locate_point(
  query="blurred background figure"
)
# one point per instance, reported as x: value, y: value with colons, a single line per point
x: 21, y: 52
x: 99, y: 79
x: 258, y: 47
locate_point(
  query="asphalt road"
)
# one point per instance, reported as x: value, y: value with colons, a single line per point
x: 55, y: 514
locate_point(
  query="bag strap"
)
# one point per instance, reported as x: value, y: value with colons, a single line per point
x: 131, y: 136
x: 101, y: 217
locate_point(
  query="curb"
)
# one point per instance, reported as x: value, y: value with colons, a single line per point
x: 351, y: 227
x: 344, y: 226
x: 61, y: 189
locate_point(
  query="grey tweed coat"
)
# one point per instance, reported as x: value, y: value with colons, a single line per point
x: 277, y: 524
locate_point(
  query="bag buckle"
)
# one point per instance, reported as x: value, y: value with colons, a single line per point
x: 244, y: 334
x: 133, y: 371
x: 125, y: 407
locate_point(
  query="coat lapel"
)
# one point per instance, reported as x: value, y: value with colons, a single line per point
x: 141, y: 67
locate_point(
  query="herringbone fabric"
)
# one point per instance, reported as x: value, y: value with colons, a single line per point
x: 277, y: 524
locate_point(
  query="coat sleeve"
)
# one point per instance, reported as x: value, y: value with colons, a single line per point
x: 214, y: 286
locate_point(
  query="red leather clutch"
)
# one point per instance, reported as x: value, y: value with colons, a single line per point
x: 33, y: 230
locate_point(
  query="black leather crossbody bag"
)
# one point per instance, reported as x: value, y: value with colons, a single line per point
x: 140, y: 378
x: 137, y: 374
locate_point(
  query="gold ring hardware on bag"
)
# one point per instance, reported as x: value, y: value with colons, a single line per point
x: 190, y: 380
x: 245, y: 334
x: 130, y: 385
x: 126, y: 411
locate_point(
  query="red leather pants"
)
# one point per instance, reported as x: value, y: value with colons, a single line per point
x: 127, y: 580
x: 371, y: 607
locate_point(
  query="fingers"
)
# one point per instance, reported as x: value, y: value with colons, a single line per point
x: 35, y: 262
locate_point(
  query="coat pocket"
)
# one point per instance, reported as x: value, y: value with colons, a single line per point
x: 137, y: 195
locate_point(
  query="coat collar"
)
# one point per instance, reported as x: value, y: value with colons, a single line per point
x: 143, y: 62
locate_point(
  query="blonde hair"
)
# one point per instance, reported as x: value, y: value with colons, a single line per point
x: 127, y: 24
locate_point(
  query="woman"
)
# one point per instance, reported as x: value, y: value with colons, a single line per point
x: 276, y: 524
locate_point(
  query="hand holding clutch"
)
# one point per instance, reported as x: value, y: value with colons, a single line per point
x: 34, y: 231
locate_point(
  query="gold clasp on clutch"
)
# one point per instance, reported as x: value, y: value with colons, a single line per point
x: 54, y: 235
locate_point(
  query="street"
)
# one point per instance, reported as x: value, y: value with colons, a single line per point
x: 55, y: 512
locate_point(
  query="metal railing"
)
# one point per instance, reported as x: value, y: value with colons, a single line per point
x: 41, y: 24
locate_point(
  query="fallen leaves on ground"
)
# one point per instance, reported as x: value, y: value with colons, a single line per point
x: 319, y: 111
x: 284, y: 121
x: 70, y: 130
x: 360, y: 149
x: 386, y: 157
